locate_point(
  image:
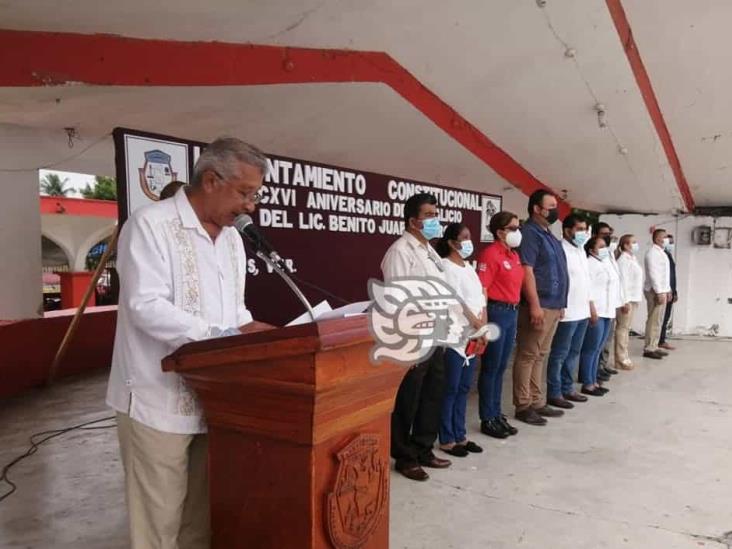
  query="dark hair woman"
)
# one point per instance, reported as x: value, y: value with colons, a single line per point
x: 455, y: 247
x: 604, y: 287
x: 501, y: 275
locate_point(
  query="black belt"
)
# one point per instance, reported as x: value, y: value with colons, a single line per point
x: 503, y: 305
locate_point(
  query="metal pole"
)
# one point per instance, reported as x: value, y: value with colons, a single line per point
x: 276, y: 268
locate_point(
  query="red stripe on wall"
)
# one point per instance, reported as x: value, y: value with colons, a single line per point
x: 649, y: 97
x: 47, y: 59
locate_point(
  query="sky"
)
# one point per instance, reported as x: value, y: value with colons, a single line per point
x: 76, y: 181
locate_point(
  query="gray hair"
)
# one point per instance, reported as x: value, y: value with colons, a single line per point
x: 224, y: 155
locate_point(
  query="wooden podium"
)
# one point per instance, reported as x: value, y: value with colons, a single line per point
x: 299, y: 426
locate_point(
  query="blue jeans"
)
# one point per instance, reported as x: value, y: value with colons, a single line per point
x: 564, y: 357
x: 591, y: 348
x: 495, y: 360
x: 458, y: 378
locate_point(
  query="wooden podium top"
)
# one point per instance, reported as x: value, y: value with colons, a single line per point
x: 272, y: 344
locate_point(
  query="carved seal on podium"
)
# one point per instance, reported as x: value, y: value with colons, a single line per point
x: 358, y: 500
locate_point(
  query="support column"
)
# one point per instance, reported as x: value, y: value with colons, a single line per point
x: 20, y: 246
x: 73, y: 288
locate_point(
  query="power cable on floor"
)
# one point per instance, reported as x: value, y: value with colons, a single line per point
x: 35, y: 444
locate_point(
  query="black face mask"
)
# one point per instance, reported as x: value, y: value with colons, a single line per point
x: 606, y: 238
x: 552, y: 216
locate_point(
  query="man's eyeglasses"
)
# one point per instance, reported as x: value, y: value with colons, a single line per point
x: 254, y: 198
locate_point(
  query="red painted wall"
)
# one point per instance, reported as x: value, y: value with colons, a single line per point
x: 27, y: 348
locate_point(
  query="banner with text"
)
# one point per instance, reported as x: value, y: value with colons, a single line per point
x: 331, y: 224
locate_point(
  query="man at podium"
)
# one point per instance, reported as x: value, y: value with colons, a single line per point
x: 182, y: 268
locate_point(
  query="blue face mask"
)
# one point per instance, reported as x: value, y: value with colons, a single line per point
x: 431, y: 228
x: 466, y: 249
x: 603, y: 253
x: 580, y: 238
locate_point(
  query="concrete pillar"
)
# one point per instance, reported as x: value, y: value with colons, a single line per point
x: 20, y: 246
x: 73, y: 288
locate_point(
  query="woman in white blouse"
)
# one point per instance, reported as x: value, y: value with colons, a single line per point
x: 631, y: 277
x: 604, y: 293
x: 455, y: 247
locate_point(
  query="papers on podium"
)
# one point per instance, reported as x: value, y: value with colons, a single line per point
x: 323, y: 311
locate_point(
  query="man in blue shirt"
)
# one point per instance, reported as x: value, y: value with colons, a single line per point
x: 545, y: 289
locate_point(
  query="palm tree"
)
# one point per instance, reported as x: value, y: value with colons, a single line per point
x: 52, y: 185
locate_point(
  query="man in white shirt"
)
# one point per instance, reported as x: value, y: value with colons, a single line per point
x: 182, y: 268
x: 415, y: 420
x: 570, y: 334
x: 657, y: 291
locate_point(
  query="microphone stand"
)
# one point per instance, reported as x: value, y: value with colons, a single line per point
x: 276, y: 267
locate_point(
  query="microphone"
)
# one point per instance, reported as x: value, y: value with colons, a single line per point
x: 264, y: 250
x: 248, y: 230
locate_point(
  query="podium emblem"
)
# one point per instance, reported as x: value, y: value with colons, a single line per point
x: 357, y: 502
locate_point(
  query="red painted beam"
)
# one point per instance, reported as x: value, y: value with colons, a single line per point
x: 649, y: 97
x: 78, y: 206
x: 47, y: 59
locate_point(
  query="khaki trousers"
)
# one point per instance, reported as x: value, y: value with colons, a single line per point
x: 654, y: 321
x: 166, y: 482
x: 529, y: 366
x: 622, y: 334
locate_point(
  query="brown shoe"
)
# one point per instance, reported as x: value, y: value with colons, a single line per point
x: 530, y: 416
x: 548, y: 412
x: 667, y: 346
x: 576, y: 397
x: 560, y: 403
x: 413, y: 472
x: 435, y: 462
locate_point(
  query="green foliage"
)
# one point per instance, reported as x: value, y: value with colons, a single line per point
x: 105, y: 188
x: 53, y: 185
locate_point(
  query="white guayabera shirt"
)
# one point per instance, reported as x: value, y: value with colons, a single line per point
x: 176, y: 286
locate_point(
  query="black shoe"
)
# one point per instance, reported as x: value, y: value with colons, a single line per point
x: 611, y: 371
x: 596, y: 392
x: 472, y: 447
x: 546, y: 411
x: 493, y: 428
x: 652, y: 354
x: 603, y: 377
x: 560, y: 402
x: 456, y: 451
x: 604, y: 390
x: 662, y: 353
x: 506, y: 425
x: 531, y: 417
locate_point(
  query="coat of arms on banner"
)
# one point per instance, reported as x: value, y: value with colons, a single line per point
x: 156, y: 173
x: 358, y: 500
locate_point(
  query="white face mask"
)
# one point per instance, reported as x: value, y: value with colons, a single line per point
x: 665, y: 243
x: 603, y: 253
x: 513, y: 239
x: 634, y: 247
